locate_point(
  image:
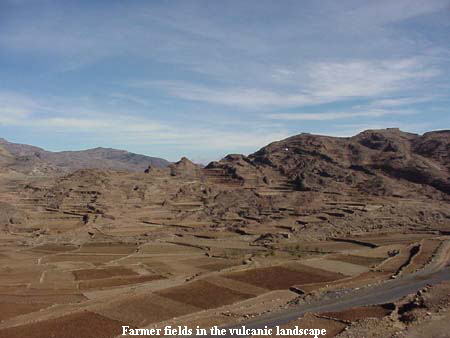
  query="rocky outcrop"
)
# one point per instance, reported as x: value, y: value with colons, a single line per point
x: 185, y: 168
x: 10, y: 215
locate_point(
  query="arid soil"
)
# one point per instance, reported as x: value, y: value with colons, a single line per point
x: 425, y: 314
x: 86, y: 251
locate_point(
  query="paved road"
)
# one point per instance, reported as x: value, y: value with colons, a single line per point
x: 383, y: 293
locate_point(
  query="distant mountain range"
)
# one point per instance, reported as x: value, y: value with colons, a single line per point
x: 385, y: 162
x: 30, y: 159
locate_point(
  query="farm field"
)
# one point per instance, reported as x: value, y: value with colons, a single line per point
x: 77, y: 279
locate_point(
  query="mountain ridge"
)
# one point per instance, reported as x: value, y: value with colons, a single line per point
x: 71, y: 160
x: 315, y: 162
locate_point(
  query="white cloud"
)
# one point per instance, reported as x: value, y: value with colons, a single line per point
x: 402, y: 101
x: 126, y: 128
x: 143, y: 131
x: 386, y: 11
x: 335, y: 115
x: 241, y: 97
x: 16, y: 106
x: 218, y: 39
x: 100, y: 124
x: 336, y: 80
x: 327, y: 82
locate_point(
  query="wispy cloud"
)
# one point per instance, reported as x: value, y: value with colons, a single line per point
x: 386, y: 11
x: 336, y: 115
x: 128, y: 129
x: 366, y: 78
x: 327, y: 82
x: 401, y: 101
x: 240, y: 97
x: 16, y: 106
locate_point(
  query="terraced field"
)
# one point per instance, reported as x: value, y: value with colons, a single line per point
x: 146, y: 284
x: 164, y: 266
x: 283, y: 277
x: 81, y: 324
x: 204, y: 295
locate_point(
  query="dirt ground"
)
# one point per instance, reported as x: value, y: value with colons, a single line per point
x: 82, y: 324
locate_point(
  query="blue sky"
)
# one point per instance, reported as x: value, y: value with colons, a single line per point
x: 207, y: 78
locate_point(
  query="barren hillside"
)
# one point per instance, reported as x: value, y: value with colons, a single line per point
x: 104, y: 158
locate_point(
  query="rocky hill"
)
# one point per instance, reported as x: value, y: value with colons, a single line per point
x: 376, y: 162
x: 311, y: 186
x: 30, y: 158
